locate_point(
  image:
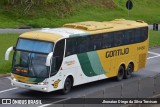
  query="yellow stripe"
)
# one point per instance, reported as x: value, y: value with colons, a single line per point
x: 37, y: 35
x: 22, y: 79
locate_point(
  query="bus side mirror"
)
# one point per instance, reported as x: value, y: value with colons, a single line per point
x: 8, y: 53
x: 48, y: 60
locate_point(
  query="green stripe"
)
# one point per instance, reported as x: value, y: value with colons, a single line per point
x: 95, y: 63
x: 86, y: 65
x: 32, y: 79
x: 37, y: 80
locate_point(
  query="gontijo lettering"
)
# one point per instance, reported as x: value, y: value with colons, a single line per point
x: 117, y: 52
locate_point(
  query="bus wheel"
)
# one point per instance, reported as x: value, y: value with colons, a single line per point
x: 120, y: 73
x: 129, y: 71
x: 67, y: 86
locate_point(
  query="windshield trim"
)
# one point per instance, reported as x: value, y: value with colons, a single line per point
x: 32, y: 51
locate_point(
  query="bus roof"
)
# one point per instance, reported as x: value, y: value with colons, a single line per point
x: 82, y: 28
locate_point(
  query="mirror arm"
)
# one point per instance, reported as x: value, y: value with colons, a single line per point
x: 48, y: 60
x: 8, y: 52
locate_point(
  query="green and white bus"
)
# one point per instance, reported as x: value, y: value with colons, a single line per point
x: 78, y: 53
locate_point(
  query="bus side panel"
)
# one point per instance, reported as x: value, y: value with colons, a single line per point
x: 105, y: 62
x: 142, y: 53
x: 84, y: 71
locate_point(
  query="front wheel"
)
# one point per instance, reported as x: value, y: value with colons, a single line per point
x: 67, y: 86
x: 120, y: 74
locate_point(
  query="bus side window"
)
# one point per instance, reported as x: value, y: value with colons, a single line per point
x: 71, y: 44
x: 91, y: 44
x: 82, y: 44
x: 97, y: 39
x: 107, y: 40
x: 138, y: 35
x: 144, y: 33
x: 119, y: 38
x: 129, y: 37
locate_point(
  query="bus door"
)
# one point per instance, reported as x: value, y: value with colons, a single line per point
x: 57, y: 59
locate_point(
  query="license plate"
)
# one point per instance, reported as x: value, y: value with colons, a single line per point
x: 27, y: 86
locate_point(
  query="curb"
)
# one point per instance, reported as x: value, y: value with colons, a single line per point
x: 5, y: 75
x: 154, y: 47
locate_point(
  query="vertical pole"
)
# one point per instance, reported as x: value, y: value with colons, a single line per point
x: 128, y: 7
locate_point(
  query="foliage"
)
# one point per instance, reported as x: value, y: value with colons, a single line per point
x: 54, y: 13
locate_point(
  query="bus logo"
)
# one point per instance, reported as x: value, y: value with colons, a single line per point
x: 55, y: 85
x: 69, y: 63
x: 117, y: 52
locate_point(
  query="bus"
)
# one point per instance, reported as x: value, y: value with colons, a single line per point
x: 52, y: 59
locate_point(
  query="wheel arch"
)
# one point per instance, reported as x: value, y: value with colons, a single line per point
x: 71, y: 77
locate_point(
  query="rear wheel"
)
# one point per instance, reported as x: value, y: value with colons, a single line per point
x: 67, y: 86
x: 129, y: 71
x: 120, y: 73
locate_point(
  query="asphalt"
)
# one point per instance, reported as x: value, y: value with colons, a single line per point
x: 8, y: 91
x: 19, y: 31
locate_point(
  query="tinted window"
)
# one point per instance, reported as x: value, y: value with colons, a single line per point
x: 108, y: 40
x: 145, y: 33
x: 119, y: 39
x: 129, y: 37
x: 82, y: 44
x: 105, y: 40
x: 91, y: 43
x: 97, y: 42
x: 58, y: 55
x: 138, y: 35
x: 71, y: 46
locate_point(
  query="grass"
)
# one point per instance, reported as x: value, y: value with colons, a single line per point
x: 154, y: 37
x: 8, y: 40
x: 57, y: 15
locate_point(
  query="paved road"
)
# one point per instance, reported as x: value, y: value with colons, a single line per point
x: 20, y: 31
x: 7, y: 91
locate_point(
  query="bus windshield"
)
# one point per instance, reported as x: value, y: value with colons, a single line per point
x: 34, y: 46
x: 30, y: 58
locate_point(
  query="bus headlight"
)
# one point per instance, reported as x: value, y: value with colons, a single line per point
x: 43, y: 83
x: 14, y: 79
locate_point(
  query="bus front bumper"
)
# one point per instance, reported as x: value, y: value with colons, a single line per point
x: 43, y: 88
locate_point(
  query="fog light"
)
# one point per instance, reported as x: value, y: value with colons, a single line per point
x: 44, y: 89
x: 43, y: 83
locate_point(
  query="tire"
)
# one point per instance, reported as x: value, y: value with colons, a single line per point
x: 120, y: 74
x: 67, y: 86
x: 128, y: 72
